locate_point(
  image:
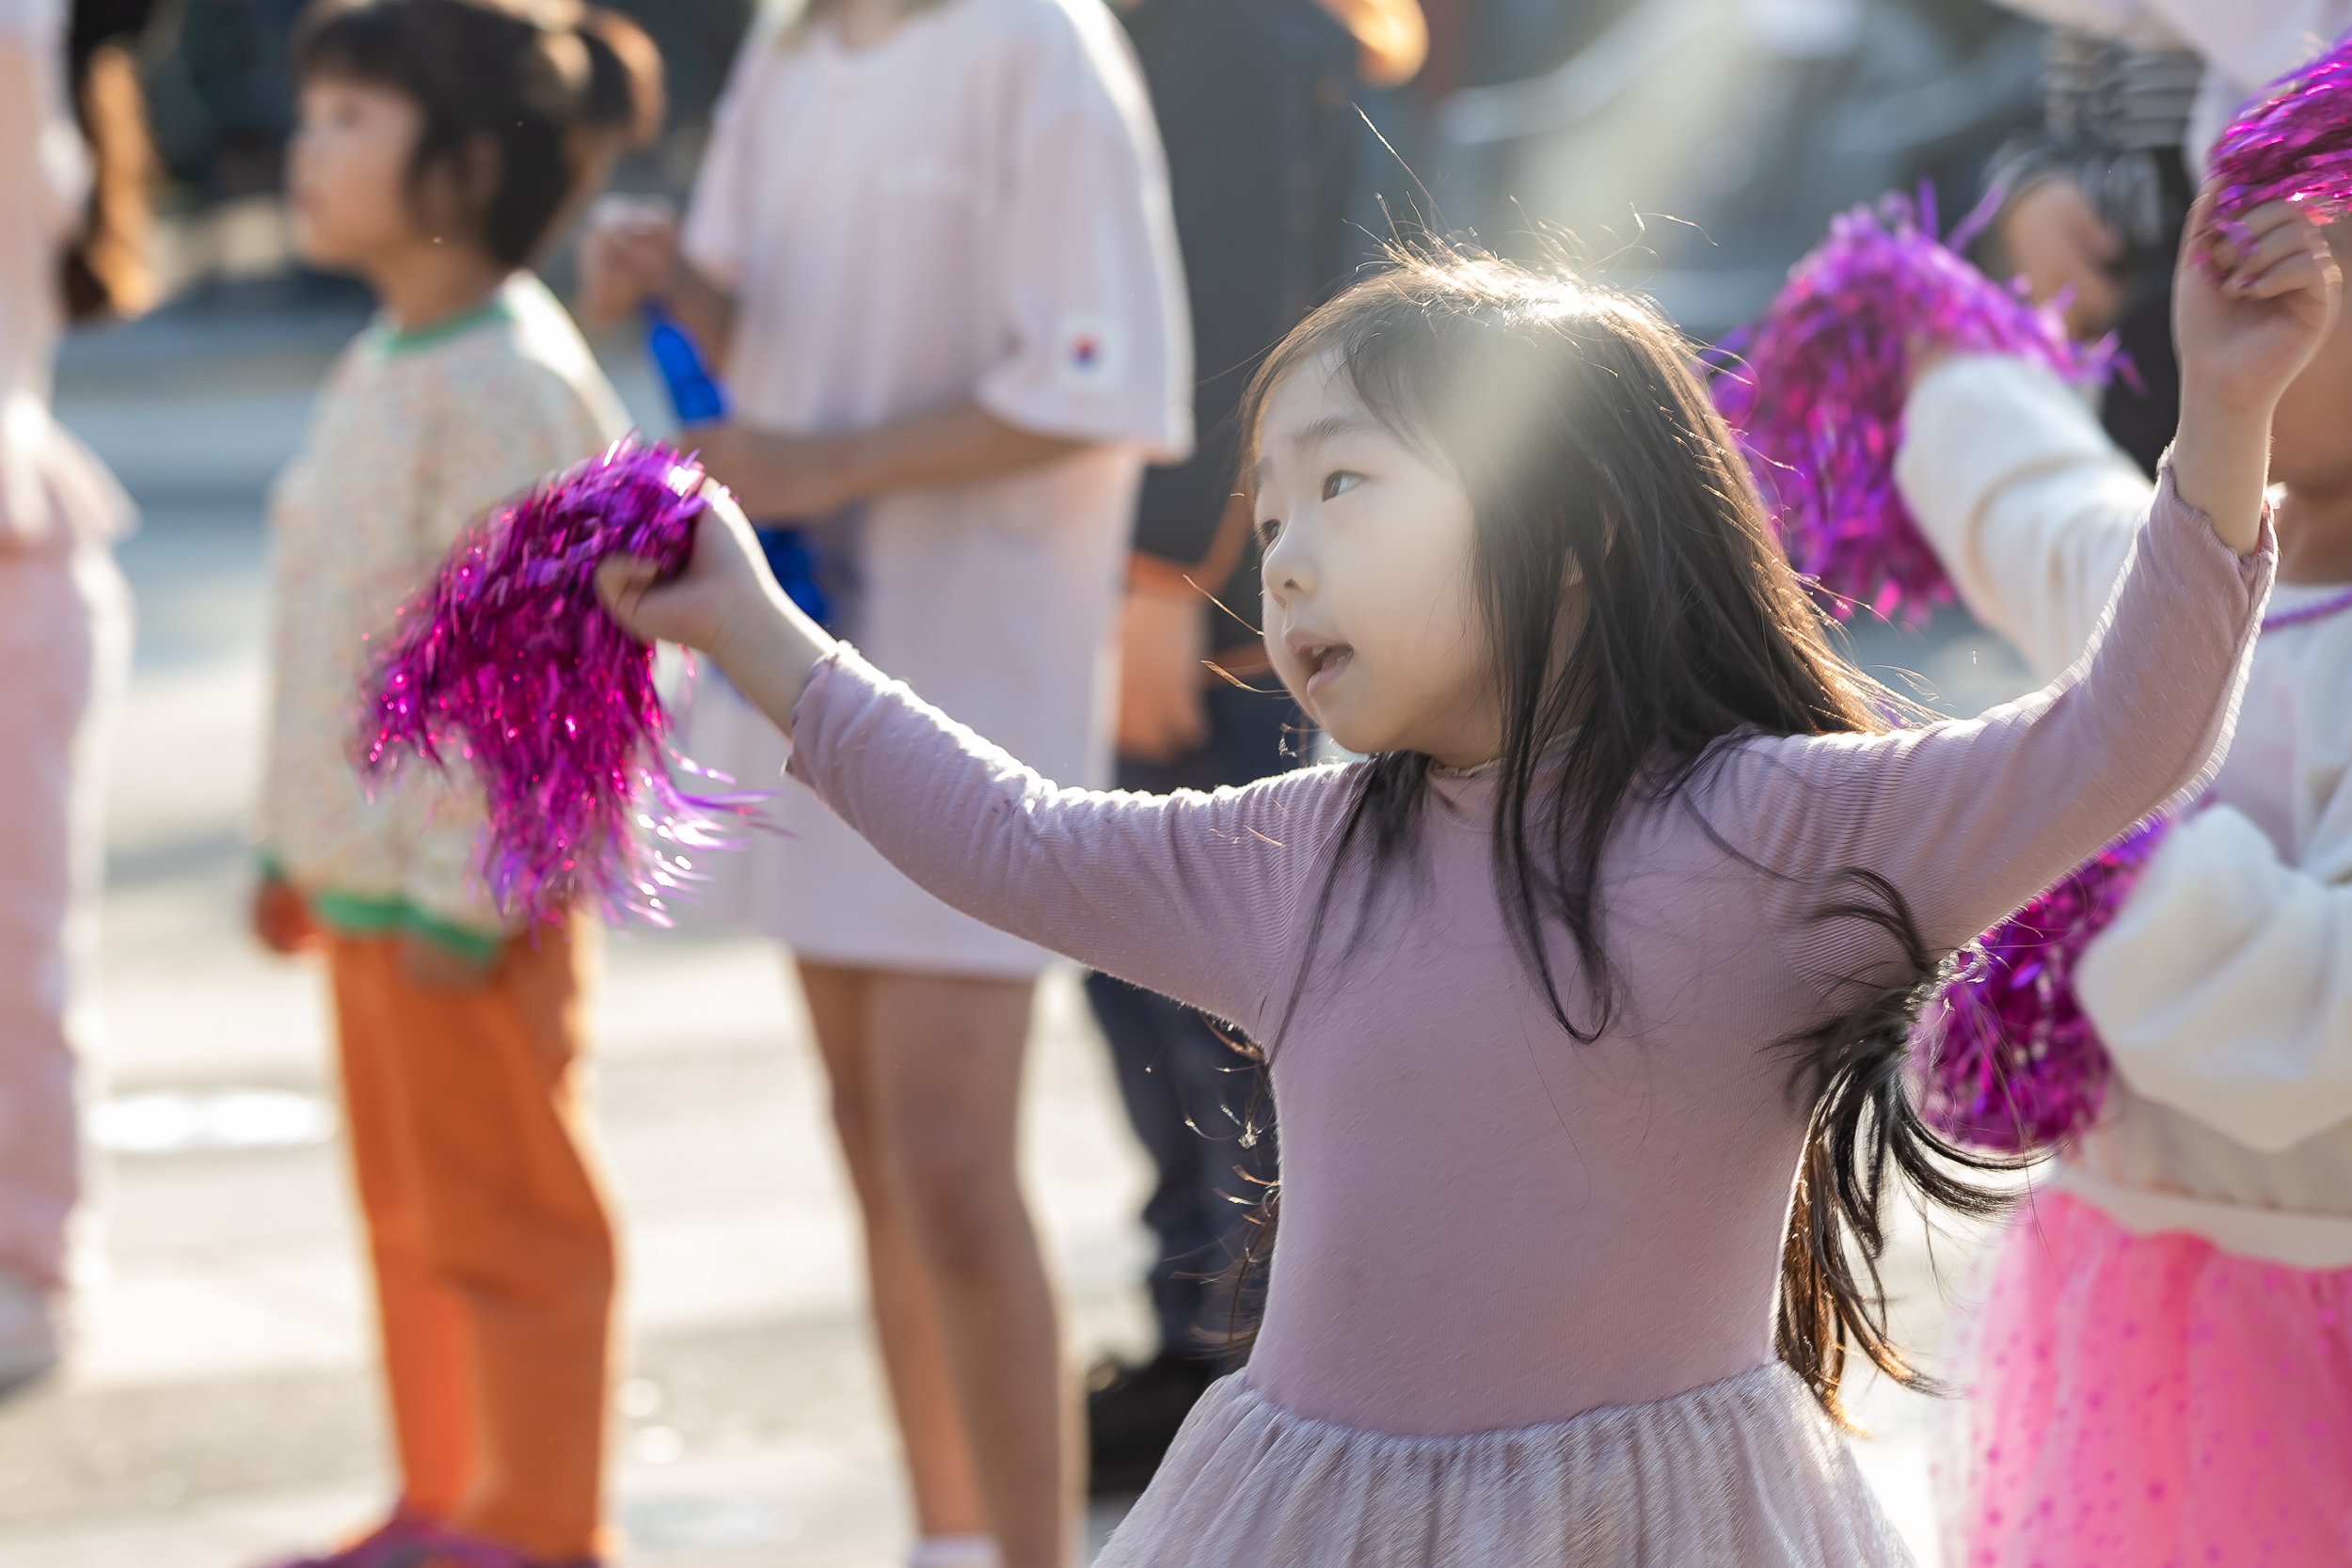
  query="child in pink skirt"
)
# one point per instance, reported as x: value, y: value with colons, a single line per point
x: 2163, y: 1367
x: 1569, y: 981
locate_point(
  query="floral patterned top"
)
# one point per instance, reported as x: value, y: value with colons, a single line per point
x: 416, y: 436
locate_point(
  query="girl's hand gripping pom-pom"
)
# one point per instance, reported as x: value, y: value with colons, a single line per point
x: 2003, y: 1057
x: 2291, y: 144
x: 724, y: 601
x: 1815, y: 389
x: 509, y: 663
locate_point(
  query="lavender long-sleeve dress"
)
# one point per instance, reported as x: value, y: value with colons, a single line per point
x: 1520, y: 1309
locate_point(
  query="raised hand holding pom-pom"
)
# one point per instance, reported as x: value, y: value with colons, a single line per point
x: 2248, y: 314
x: 726, y: 604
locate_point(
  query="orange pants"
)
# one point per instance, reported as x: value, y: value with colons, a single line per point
x: 486, y: 1220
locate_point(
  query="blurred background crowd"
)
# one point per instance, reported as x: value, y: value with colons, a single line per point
x: 215, y: 1400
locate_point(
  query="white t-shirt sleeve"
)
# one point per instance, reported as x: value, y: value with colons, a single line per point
x: 1089, y: 281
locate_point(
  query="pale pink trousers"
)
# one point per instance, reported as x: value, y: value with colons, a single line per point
x: 65, y: 642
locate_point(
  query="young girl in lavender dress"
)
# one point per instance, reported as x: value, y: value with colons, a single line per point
x: 2162, y: 1368
x: 1589, y: 965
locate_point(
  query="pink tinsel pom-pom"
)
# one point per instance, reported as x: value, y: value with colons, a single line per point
x: 2294, y: 143
x: 2003, y: 1057
x: 510, y: 660
x: 1814, y: 391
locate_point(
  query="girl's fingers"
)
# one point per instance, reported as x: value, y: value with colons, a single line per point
x: 2304, y: 269
x: 622, y: 581
x: 627, y: 570
x: 2244, y: 242
x: 2271, y: 248
x: 2269, y: 218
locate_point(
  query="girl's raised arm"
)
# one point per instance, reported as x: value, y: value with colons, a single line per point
x: 1968, y: 819
x: 1189, y: 895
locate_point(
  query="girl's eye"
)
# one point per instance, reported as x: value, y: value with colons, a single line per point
x: 1267, y: 528
x: 1338, y: 482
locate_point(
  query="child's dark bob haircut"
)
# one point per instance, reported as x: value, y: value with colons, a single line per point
x: 524, y: 102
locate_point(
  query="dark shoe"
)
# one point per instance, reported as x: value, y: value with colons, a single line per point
x: 397, y: 1541
x: 1133, y: 1414
x: 407, y: 1541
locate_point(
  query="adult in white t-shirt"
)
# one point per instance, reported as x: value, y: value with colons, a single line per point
x: 931, y: 250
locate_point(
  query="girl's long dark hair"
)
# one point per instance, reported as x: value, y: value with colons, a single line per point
x: 1633, y: 592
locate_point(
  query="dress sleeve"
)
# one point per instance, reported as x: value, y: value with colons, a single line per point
x: 2224, y: 988
x: 1089, y: 286
x: 1968, y: 820
x: 1194, y: 895
x: 2031, y: 508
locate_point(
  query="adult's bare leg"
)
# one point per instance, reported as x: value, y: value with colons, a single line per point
x: 945, y: 1053
x: 932, y: 1430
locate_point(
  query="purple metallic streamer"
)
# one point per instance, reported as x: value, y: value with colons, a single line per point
x: 2293, y: 142
x: 2003, y: 1057
x: 1814, y: 391
x: 510, y: 660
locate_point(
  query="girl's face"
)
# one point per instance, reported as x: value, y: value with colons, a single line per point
x: 347, y: 173
x: 1371, y: 615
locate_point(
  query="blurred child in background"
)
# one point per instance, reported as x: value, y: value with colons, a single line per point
x: 930, y: 248
x: 65, y: 633
x: 442, y: 143
x: 2163, y: 1369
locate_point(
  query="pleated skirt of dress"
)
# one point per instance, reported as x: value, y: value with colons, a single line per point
x: 1746, y: 1471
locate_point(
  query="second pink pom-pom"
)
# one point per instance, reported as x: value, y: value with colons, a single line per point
x: 1814, y: 391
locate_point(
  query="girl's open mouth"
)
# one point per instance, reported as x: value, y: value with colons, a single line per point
x: 1324, y: 661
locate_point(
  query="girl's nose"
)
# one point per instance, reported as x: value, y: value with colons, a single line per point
x: 1286, y: 569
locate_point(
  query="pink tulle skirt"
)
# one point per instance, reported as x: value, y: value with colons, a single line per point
x: 2151, y: 1401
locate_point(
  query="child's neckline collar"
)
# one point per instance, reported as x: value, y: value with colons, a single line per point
x: 402, y: 339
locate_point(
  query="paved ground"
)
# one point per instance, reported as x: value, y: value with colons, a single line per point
x: 220, y: 1405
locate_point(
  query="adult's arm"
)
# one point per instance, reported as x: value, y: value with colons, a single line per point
x: 776, y: 475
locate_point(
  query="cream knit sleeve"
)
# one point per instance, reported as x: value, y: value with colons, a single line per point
x: 2031, y: 507
x: 509, y: 424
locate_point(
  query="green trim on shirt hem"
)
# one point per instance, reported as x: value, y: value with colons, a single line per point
x: 358, y: 915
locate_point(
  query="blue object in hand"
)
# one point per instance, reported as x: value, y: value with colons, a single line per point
x: 694, y: 393
x: 793, y: 559
x: 699, y: 398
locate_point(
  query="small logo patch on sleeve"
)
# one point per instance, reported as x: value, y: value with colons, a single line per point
x: 1089, y: 353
